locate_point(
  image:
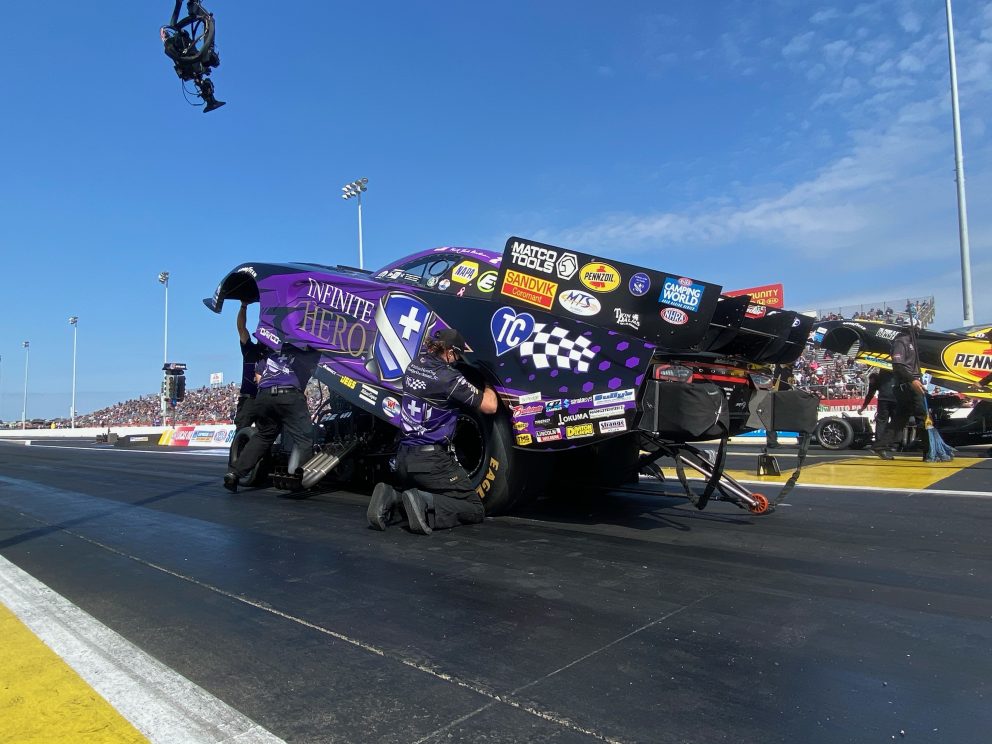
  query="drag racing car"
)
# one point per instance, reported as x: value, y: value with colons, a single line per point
x: 601, y: 367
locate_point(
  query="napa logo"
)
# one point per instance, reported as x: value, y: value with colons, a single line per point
x: 578, y: 302
x: 971, y: 360
x: 465, y: 272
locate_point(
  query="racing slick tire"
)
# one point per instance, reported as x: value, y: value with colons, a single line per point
x: 834, y: 433
x: 484, y: 447
x: 260, y: 472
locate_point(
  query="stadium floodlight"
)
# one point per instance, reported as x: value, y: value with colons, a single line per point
x: 163, y: 278
x: 355, y: 188
x: 73, y: 320
x: 24, y: 408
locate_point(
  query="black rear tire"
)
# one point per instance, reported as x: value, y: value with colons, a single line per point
x: 834, y: 434
x: 259, y: 474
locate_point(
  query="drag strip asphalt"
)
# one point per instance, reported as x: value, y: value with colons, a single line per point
x: 850, y: 615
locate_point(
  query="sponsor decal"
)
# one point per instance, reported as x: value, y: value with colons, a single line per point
x: 413, y: 383
x: 268, y: 335
x: 613, y: 425
x: 465, y: 272
x: 461, y: 292
x: 412, y: 278
x: 443, y: 284
x: 623, y: 318
x: 369, y: 394
x: 524, y: 439
x: 755, y: 311
x: 674, y: 316
x: 969, y: 359
x: 769, y: 295
x: 889, y: 334
x: 542, y: 422
x: 533, y: 257
x: 220, y: 436
x: 181, y: 436
x: 390, y: 406
x: 432, y: 281
x: 335, y: 329
x: 556, y: 346
x: 402, y: 321
x: 530, y: 289
x: 598, y: 413
x: 548, y: 435
x: 510, y: 329
x: 530, y: 398
x: 569, y: 418
x: 578, y: 431
x: 553, y: 405
x: 487, y: 282
x: 639, y: 284
x: 395, y: 274
x: 347, y: 382
x: 249, y: 270
x: 578, y: 302
x: 487, y: 480
x: 521, y: 411
x: 202, y: 436
x: 381, y: 275
x: 614, y: 396
x: 335, y: 298
x: 599, y: 277
x: 681, y: 292
x: 520, y: 425
x: 566, y: 266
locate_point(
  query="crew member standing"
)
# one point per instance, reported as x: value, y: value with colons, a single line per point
x: 883, y: 382
x: 439, y: 494
x: 909, y: 393
x: 280, y: 404
x: 251, y: 352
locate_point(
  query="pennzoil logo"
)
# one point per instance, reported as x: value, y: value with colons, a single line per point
x: 969, y: 359
x: 599, y: 277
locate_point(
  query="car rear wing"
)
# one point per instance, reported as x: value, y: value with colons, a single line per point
x: 665, y: 308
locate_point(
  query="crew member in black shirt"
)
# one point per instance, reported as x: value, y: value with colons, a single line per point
x: 438, y: 492
x: 909, y: 394
x: 251, y: 352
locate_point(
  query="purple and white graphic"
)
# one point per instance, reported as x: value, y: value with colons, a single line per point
x: 403, y: 321
x: 556, y: 346
x: 510, y: 329
x: 639, y: 284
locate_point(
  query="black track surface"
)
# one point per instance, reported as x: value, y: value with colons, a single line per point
x: 842, y: 617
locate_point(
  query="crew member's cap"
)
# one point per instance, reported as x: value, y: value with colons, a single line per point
x: 449, y: 338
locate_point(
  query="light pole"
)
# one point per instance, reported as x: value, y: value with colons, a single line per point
x: 24, y: 409
x: 959, y: 169
x: 73, y: 319
x: 163, y: 278
x: 355, y: 188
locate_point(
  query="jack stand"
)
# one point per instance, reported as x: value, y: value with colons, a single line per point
x: 767, y: 464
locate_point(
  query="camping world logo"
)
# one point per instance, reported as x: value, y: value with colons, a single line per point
x: 971, y: 360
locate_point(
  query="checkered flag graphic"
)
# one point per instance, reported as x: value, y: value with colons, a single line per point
x: 545, y: 347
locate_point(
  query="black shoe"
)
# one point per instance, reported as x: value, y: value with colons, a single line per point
x: 384, y: 499
x: 231, y: 482
x: 884, y: 454
x: 416, y: 512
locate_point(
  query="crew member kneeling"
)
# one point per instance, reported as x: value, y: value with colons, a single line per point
x: 439, y: 495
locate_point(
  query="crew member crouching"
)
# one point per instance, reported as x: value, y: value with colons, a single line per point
x: 438, y: 492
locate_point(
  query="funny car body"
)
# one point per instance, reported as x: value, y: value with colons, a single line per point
x: 601, y: 367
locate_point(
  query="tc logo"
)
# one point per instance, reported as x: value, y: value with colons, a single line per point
x: 510, y: 329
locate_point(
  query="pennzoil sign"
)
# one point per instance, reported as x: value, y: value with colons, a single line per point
x: 971, y: 360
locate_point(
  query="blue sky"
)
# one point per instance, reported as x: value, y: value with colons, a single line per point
x: 741, y: 143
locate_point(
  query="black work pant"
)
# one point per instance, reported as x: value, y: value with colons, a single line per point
x: 244, y: 415
x: 883, y: 415
x: 908, y: 403
x: 285, y: 411
x: 438, y: 473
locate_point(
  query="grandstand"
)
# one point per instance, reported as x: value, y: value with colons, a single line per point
x: 890, y: 311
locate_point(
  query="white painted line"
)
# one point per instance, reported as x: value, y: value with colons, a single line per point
x: 208, y: 451
x: 162, y: 704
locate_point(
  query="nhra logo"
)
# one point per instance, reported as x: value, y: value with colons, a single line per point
x: 402, y: 321
x: 681, y: 292
x: 674, y: 316
x: 599, y: 277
